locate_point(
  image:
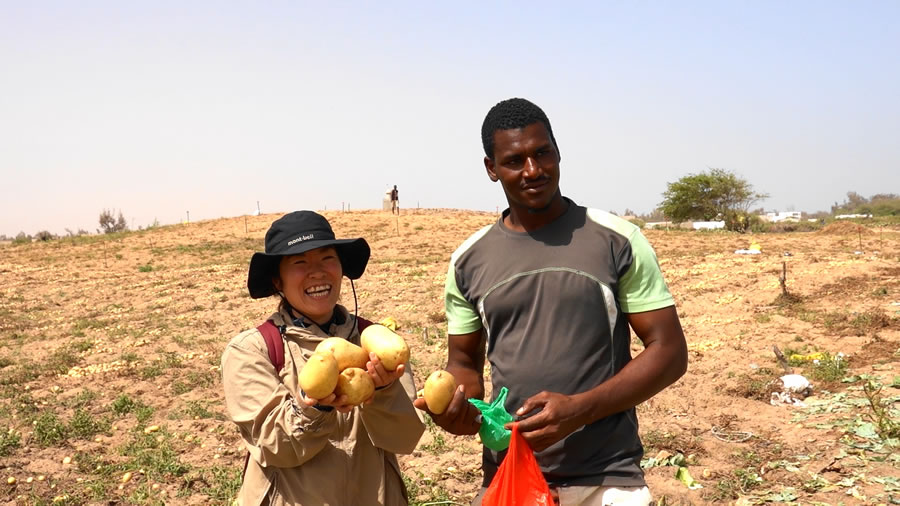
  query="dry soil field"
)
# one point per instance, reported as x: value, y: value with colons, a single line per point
x: 110, y: 345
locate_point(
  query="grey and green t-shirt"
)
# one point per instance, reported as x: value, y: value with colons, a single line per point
x: 552, y: 304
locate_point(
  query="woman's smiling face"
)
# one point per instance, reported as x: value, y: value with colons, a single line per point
x: 311, y: 282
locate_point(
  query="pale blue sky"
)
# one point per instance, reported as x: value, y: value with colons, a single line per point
x: 159, y: 108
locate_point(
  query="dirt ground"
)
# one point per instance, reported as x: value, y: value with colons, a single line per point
x: 110, y: 345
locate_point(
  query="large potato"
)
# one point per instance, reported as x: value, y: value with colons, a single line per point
x: 390, y: 348
x: 439, y: 389
x: 356, y: 384
x: 319, y: 375
x: 346, y: 353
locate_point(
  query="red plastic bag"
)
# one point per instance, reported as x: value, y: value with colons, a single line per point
x: 519, y: 481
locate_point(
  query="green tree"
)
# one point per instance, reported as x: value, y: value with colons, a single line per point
x: 881, y: 204
x: 716, y: 194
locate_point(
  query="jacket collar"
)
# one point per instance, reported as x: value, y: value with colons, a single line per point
x: 305, y: 328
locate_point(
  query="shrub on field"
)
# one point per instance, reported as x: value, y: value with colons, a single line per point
x: 740, y: 221
x: 109, y: 224
x: 80, y: 233
x: 44, y: 235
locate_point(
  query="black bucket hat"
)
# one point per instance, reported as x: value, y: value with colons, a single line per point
x: 299, y: 232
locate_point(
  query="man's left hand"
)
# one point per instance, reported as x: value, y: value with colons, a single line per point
x: 556, y: 416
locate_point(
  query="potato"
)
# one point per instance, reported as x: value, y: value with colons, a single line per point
x: 439, y: 389
x: 346, y: 353
x: 319, y: 375
x: 390, y: 348
x: 356, y: 384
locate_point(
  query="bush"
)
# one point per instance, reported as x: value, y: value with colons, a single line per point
x: 10, y: 439
x: 22, y: 237
x: 639, y: 222
x: 109, y: 224
x: 44, y: 235
x: 49, y: 430
x: 84, y: 425
x: 123, y: 404
x: 741, y: 221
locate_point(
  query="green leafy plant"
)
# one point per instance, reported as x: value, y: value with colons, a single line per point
x: 49, y: 429
x: 196, y: 410
x: 222, y: 483
x: 143, y: 413
x: 61, y: 360
x: 81, y: 346
x: 830, y: 368
x: 740, y: 482
x: 438, y: 444
x: 9, y: 441
x: 84, y: 425
x: 424, y: 491
x: 84, y: 398
x: 123, y: 405
x: 154, y: 453
x: 880, y: 411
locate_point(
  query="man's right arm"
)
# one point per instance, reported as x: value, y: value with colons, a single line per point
x: 465, y: 362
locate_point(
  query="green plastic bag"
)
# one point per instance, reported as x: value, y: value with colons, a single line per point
x: 493, y: 417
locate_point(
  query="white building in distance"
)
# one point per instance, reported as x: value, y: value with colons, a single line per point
x: 775, y: 217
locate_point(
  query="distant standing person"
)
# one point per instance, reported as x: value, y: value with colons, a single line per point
x: 395, y: 200
x: 555, y: 319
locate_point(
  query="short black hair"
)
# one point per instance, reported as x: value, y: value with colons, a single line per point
x: 511, y: 114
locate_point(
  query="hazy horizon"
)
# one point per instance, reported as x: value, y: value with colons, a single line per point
x: 162, y: 109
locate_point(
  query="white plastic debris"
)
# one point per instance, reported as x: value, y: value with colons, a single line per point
x: 790, y: 390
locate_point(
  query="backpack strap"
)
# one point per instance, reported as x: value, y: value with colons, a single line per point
x: 275, y: 346
x: 362, y: 323
x: 272, y: 335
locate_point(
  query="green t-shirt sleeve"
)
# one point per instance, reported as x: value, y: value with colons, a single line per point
x: 643, y: 288
x: 462, y: 318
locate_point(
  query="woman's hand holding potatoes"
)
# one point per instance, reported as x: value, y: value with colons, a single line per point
x: 388, y: 354
x: 354, y: 387
x: 380, y: 375
x: 390, y: 348
x: 324, y: 383
x: 343, y: 375
x: 338, y: 402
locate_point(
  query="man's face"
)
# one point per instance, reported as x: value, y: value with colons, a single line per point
x: 526, y: 163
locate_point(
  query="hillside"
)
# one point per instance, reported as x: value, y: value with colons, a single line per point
x: 110, y: 345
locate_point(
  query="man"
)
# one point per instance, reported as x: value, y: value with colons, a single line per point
x: 554, y: 319
x: 395, y: 201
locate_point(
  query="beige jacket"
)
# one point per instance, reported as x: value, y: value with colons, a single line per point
x: 301, y: 455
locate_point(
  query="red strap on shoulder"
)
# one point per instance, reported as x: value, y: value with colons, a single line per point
x: 362, y: 323
x: 274, y: 344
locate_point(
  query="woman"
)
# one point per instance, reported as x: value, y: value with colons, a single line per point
x: 302, y: 450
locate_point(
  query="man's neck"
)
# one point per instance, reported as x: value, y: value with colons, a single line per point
x: 523, y: 219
